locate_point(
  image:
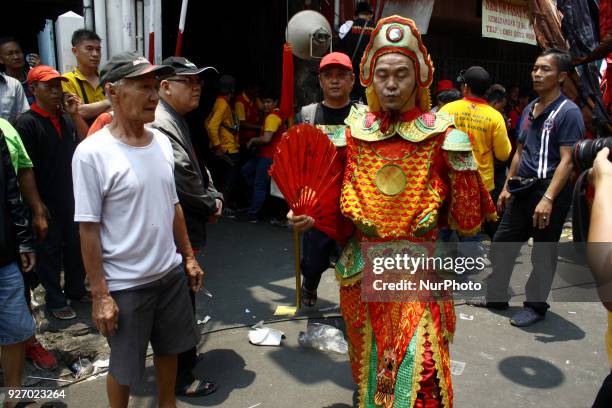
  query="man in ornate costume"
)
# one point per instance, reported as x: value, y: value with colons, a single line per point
x: 408, y: 172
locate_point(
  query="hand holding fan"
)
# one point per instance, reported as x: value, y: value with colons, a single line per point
x: 308, y: 171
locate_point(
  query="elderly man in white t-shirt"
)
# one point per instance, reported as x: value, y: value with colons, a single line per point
x: 131, y: 226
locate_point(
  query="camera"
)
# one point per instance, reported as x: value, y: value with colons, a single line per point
x: 584, y: 154
x: 585, y: 151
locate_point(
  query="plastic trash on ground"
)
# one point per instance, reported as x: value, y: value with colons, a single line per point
x: 81, y: 368
x: 323, y: 337
x: 265, y: 336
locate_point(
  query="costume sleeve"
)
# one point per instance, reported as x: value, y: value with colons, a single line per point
x: 240, y: 111
x: 214, y: 122
x: 13, y: 200
x: 501, y: 142
x: 468, y: 201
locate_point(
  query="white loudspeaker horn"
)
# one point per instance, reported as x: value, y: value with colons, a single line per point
x: 309, y: 34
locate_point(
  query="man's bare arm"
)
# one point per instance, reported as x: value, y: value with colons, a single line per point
x: 92, y: 110
x: 562, y: 173
x: 27, y: 185
x: 105, y: 312
x: 192, y: 268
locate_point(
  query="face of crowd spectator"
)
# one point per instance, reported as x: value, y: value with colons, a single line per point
x: 135, y: 99
x: 499, y: 105
x: 11, y: 56
x: 395, y: 82
x: 269, y: 104
x: 336, y: 82
x: 88, y: 53
x: 49, y: 94
x: 184, y: 92
x: 514, y: 93
x: 545, y: 74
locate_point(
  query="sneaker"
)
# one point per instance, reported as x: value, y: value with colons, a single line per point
x: 41, y: 357
x: 525, y: 317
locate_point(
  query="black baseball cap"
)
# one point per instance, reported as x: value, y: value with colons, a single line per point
x: 182, y: 66
x: 477, y: 78
x: 131, y: 65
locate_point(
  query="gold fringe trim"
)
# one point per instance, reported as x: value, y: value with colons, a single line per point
x: 351, y: 280
x: 437, y: 357
x: 418, y: 355
x: 364, y: 377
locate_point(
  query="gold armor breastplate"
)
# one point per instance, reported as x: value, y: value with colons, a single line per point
x: 392, y: 190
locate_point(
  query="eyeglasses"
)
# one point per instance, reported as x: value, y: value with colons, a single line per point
x: 191, y: 82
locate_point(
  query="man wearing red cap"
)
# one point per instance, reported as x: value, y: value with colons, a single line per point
x: 407, y: 173
x: 445, y: 93
x: 50, y: 136
x: 336, y: 79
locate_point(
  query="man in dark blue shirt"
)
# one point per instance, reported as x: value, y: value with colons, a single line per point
x: 551, y: 125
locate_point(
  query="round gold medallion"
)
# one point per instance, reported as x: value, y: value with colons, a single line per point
x: 390, y: 180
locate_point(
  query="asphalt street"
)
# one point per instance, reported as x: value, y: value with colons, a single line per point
x: 559, y: 362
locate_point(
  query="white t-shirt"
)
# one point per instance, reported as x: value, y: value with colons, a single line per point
x: 130, y: 191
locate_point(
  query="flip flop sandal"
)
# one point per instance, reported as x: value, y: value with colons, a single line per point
x: 309, y: 297
x: 198, y: 388
x: 64, y: 313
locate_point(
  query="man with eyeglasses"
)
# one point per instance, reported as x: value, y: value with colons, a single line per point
x: 201, y: 202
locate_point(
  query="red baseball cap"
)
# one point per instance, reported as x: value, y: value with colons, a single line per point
x: 43, y: 73
x: 444, y: 85
x: 336, y: 58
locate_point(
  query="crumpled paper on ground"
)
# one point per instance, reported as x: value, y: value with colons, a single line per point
x: 265, y: 336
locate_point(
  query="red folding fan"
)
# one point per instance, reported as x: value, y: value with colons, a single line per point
x: 308, y: 171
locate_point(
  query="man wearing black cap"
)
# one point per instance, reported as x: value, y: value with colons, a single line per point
x: 354, y: 36
x: 131, y: 226
x: 537, y: 193
x: 487, y: 130
x: 180, y: 94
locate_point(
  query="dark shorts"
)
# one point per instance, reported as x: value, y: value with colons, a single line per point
x: 159, y: 312
x: 16, y: 322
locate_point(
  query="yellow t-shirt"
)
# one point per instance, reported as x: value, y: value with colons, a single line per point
x: 218, y: 125
x: 487, y: 130
x: 272, y: 123
x: 75, y: 80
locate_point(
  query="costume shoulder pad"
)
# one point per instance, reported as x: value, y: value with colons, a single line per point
x: 456, y: 141
x: 459, y: 150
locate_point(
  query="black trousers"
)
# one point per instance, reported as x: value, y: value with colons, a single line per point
x: 604, y: 396
x: 61, y: 247
x: 187, y: 360
x: 317, y: 247
x: 515, y: 228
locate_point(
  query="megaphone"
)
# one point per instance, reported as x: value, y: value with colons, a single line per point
x: 309, y: 34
